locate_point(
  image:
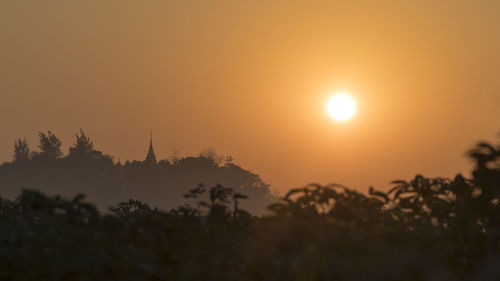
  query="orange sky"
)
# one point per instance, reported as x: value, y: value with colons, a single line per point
x: 253, y: 78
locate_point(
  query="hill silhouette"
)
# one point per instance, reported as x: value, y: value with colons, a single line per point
x: 159, y: 183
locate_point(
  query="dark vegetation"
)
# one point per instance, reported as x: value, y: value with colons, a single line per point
x: 423, y: 229
x: 105, y: 181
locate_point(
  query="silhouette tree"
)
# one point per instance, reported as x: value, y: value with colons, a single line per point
x: 83, y: 145
x: 50, y: 146
x: 174, y: 156
x: 210, y: 153
x: 21, y: 151
x: 228, y: 161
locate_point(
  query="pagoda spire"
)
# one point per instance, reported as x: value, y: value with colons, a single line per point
x: 151, y: 157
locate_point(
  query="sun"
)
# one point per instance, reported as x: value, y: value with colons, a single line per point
x: 341, y: 107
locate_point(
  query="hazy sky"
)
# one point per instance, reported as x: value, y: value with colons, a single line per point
x: 253, y: 78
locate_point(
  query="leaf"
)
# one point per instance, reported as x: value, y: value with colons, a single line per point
x: 239, y: 196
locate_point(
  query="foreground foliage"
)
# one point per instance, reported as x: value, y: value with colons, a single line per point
x: 423, y: 229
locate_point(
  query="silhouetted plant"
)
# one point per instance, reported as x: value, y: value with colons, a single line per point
x: 333, y: 200
x: 210, y: 154
x: 50, y: 146
x: 83, y: 145
x: 237, y: 212
x: 422, y: 201
x: 131, y: 207
x: 21, y: 151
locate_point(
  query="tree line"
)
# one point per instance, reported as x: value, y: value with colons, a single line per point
x: 50, y: 148
x: 84, y: 169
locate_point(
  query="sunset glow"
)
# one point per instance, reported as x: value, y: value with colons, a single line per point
x: 250, y: 140
x: 254, y: 79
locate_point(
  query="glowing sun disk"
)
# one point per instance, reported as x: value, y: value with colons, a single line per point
x: 341, y: 107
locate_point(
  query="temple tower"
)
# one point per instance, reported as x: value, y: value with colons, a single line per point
x: 151, y: 157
